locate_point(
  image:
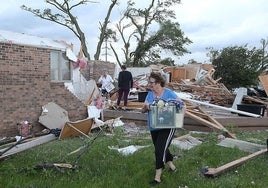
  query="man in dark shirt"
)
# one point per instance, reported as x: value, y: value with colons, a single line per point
x: 125, y: 82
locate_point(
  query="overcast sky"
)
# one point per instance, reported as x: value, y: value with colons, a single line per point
x: 208, y: 23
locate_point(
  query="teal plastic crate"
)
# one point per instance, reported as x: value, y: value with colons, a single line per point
x: 166, y: 117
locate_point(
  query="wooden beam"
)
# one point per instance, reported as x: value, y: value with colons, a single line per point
x: 213, y: 172
x: 90, y: 97
x: 264, y: 82
x: 210, y: 118
x: 209, y: 124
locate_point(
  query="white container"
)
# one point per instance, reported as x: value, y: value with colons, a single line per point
x: 166, y: 117
x: 109, y: 87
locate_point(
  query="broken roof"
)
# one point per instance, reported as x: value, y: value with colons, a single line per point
x: 25, y: 39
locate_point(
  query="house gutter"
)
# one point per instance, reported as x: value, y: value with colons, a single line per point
x: 221, y: 107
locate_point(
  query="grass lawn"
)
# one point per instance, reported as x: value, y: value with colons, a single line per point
x: 102, y: 167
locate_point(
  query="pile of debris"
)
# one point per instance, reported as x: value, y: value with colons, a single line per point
x: 196, y: 80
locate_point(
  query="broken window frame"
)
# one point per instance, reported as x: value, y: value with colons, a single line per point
x: 60, y: 67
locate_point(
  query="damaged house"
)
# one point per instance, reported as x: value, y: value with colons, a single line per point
x: 34, y: 72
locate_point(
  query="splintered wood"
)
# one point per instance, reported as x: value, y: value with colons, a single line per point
x: 199, y: 115
x: 198, y: 81
x: 216, y: 94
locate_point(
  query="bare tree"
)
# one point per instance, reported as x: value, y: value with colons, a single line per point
x: 148, y: 40
x: 105, y: 33
x: 264, y: 54
x: 126, y: 41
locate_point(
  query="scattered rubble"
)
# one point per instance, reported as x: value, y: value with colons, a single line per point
x: 186, y: 142
x: 196, y: 81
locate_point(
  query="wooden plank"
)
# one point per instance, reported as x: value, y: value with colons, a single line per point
x: 264, y: 82
x: 90, y: 97
x: 133, y: 104
x: 197, y: 113
x: 77, y: 128
x: 243, y: 121
x: 213, y: 172
x: 207, y: 67
x: 256, y: 100
x: 209, y: 124
x: 177, y: 74
x: 221, y: 127
x: 236, y: 122
x: 28, y: 145
x: 213, y: 120
x: 202, y: 121
x: 192, y: 70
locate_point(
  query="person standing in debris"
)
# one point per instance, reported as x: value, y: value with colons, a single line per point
x: 161, y: 138
x: 125, y: 82
x: 104, y: 80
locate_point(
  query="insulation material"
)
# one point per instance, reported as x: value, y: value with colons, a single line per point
x: 71, y: 55
x: 82, y: 88
x: 127, y: 150
x: 93, y: 112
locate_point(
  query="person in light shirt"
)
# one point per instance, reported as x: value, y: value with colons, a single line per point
x: 104, y: 80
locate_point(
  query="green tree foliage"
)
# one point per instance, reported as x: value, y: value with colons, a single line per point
x: 167, y: 61
x: 238, y: 66
x: 152, y: 31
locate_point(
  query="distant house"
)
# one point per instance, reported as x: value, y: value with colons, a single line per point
x: 33, y: 72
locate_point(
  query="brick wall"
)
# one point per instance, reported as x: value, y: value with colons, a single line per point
x: 94, y: 69
x: 25, y: 87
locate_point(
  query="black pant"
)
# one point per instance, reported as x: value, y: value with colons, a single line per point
x: 122, y: 91
x: 161, y: 140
